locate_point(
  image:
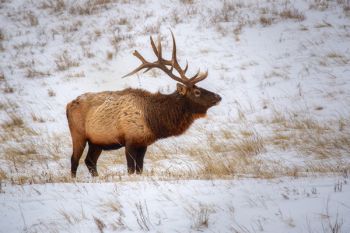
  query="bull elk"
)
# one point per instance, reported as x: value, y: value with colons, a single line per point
x: 135, y: 118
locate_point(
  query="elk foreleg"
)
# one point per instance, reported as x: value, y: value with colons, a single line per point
x: 139, y: 159
x: 134, y: 158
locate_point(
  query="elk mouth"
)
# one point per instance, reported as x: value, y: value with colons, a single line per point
x: 217, y: 101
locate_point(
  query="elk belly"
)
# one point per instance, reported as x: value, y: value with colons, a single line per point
x: 102, y: 124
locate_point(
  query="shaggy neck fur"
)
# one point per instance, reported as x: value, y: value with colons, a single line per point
x: 169, y: 115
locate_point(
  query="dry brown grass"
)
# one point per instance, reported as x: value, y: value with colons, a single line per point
x: 2, y: 35
x: 319, y: 5
x: 309, y: 136
x: 3, y: 175
x: 292, y: 13
x: 109, y: 55
x: 338, y: 58
x: 123, y: 21
x: 26, y: 154
x: 2, y: 38
x: 270, y: 15
x: 265, y: 21
x: 86, y: 7
x: 51, y: 93
x: 176, y: 18
x: 188, y: 2
x: 152, y: 29
x: 227, y: 13
x: 15, y: 121
x: 54, y: 5
x: 80, y: 74
x: 346, y: 9
x: 7, y: 89
x: 142, y: 216
x: 200, y: 216
x: 32, y: 72
x: 32, y: 19
x: 37, y: 118
x: 65, y: 62
x: 100, y: 224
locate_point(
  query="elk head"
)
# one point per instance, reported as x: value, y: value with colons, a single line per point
x: 199, y: 99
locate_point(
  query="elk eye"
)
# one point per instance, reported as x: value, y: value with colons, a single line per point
x: 197, y: 92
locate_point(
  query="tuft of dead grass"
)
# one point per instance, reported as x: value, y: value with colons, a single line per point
x: 265, y: 21
x: 292, y: 13
x: 109, y: 55
x: 15, y: 121
x: 2, y: 35
x: 32, y: 19
x: 65, y: 62
x: 55, y: 6
x: 152, y: 29
x: 3, y: 175
x: 249, y: 144
x: 338, y: 58
x: 200, y: 217
x: 142, y: 216
x: 100, y: 224
x: 319, y: 5
x: 2, y: 38
x: 51, y: 93
x: 32, y: 72
x: 188, y: 2
x: 7, y: 89
x: 88, y: 7
x: 37, y: 118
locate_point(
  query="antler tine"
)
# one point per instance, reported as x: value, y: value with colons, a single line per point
x: 154, y: 47
x: 199, y: 77
x: 175, y: 64
x: 144, y: 64
x: 173, y: 55
x: 186, y: 67
x: 139, y: 56
x: 159, y: 48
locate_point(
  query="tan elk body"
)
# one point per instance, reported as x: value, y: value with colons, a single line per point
x: 135, y: 118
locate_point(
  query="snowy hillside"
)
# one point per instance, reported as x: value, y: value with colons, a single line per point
x: 274, y: 156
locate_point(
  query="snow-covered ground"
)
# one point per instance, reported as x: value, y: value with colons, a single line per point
x: 272, y: 157
x: 238, y: 205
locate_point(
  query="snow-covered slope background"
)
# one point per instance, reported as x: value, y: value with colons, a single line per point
x: 272, y: 157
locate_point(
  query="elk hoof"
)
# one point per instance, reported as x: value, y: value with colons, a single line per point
x: 131, y: 171
x: 139, y: 172
x: 94, y: 173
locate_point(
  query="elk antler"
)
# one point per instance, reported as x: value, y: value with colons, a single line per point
x: 163, y: 65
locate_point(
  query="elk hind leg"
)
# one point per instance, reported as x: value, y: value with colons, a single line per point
x: 141, y: 151
x: 92, y: 157
x: 78, y: 148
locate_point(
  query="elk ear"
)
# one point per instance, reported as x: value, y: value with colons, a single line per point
x: 181, y: 89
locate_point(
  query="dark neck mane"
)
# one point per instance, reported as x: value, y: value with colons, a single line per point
x: 168, y: 115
